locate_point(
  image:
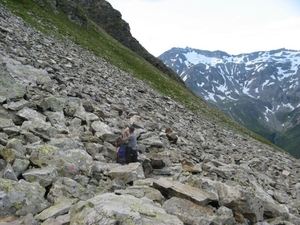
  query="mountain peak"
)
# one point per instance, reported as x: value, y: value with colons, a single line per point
x: 266, y: 81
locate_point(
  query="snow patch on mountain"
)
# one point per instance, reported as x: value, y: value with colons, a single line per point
x: 264, y: 83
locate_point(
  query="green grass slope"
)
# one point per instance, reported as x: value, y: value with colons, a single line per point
x: 290, y: 139
x: 92, y: 38
x: 248, y: 116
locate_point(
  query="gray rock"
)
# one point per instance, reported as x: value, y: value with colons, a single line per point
x: 20, y: 165
x: 189, y: 212
x: 8, y: 173
x: 16, y: 105
x: 4, y: 123
x: 143, y: 191
x: 128, y: 173
x: 44, y: 176
x: 112, y: 209
x: 30, y: 114
x: 70, y: 189
x: 21, y: 198
x: 177, y: 189
x: 54, y: 211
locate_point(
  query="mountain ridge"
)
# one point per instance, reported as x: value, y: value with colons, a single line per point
x: 263, y: 83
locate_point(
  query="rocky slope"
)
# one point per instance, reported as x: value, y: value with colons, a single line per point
x: 105, y: 16
x: 259, y: 90
x: 62, y: 110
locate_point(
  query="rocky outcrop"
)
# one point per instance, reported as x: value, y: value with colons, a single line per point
x: 62, y: 110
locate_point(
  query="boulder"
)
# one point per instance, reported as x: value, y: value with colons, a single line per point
x: 176, y: 189
x: 127, y: 173
x: 113, y: 209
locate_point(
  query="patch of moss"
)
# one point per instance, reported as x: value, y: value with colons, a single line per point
x: 43, y: 156
x: 8, y: 154
x: 6, y: 185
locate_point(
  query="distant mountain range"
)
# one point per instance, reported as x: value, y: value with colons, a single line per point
x: 260, y: 90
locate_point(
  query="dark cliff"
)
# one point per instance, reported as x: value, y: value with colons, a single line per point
x: 109, y: 19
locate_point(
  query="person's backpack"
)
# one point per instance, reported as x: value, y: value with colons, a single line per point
x: 121, y: 155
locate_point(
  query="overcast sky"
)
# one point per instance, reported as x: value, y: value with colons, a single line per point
x: 233, y: 26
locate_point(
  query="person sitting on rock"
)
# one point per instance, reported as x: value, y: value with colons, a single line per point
x: 130, y: 138
x: 172, y: 137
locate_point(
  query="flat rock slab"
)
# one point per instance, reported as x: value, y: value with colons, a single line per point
x: 127, y: 173
x: 177, y: 189
x: 120, y: 209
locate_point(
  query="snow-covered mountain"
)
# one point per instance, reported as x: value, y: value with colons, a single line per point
x: 260, y: 90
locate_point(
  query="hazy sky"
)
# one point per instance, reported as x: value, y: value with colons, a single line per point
x: 233, y: 26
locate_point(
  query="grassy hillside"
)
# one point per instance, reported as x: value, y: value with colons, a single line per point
x: 249, y: 115
x: 93, y: 38
x: 290, y: 139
